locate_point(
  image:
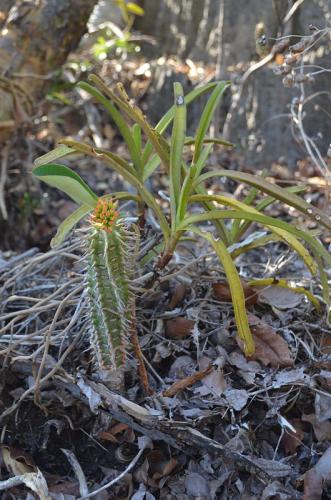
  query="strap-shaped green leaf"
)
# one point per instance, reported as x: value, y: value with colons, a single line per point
x: 121, y: 100
x: 130, y: 176
x: 66, y: 226
x: 261, y: 205
x: 286, y: 235
x: 165, y: 121
x: 151, y: 166
x: 236, y: 289
x: 207, y: 117
x: 176, y: 150
x: 191, y: 174
x: 57, y: 153
x: 189, y: 141
x: 67, y: 181
x: 314, y: 244
x: 273, y: 190
x: 119, y: 121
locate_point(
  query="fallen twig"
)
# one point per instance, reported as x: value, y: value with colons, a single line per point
x: 182, y: 384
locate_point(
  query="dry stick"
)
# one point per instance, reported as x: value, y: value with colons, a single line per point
x: 138, y: 353
x: 37, y: 307
x: 36, y: 260
x: 11, y: 482
x: 292, y: 11
x: 48, y: 376
x: 118, y: 478
x: 83, y: 489
x: 182, y: 384
x: 48, y: 341
x: 184, y: 438
x: 3, y: 179
x: 7, y: 124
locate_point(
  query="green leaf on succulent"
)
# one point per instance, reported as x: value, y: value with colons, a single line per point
x: 275, y: 191
x: 236, y: 289
x: 176, y: 149
x: 189, y: 141
x: 207, y: 116
x: 120, y: 122
x: 66, y: 226
x: 67, y: 181
x: 314, y: 244
x: 56, y: 153
x: 166, y: 120
x: 286, y: 235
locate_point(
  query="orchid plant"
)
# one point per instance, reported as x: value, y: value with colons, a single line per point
x: 150, y: 149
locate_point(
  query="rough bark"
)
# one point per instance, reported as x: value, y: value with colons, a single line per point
x: 5, y: 7
x: 35, y: 40
x: 261, y: 125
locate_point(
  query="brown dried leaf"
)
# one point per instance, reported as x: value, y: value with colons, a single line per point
x: 313, y: 488
x: 159, y: 464
x: 322, y: 430
x: 110, y: 435
x: 17, y: 461
x: 237, y: 398
x: 315, y: 477
x: 270, y: 348
x: 280, y: 298
x: 222, y: 292
x: 213, y: 383
x: 178, y: 296
x: 178, y: 328
x: 290, y: 440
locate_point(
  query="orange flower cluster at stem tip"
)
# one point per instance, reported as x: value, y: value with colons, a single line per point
x: 105, y: 214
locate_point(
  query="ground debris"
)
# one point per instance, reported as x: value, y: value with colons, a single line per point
x: 213, y: 413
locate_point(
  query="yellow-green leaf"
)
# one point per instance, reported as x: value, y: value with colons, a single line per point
x: 236, y: 289
x: 135, y: 9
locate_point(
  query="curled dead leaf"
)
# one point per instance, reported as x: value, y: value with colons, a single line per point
x: 110, y: 435
x: 270, y: 348
x: 178, y: 328
x: 17, y: 461
x: 280, y: 298
x: 159, y: 464
x: 177, y: 296
x: 222, y: 292
x: 322, y: 430
x: 315, y: 477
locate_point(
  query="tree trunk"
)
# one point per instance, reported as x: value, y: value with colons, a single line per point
x: 35, y: 40
x: 5, y: 7
x: 261, y: 125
